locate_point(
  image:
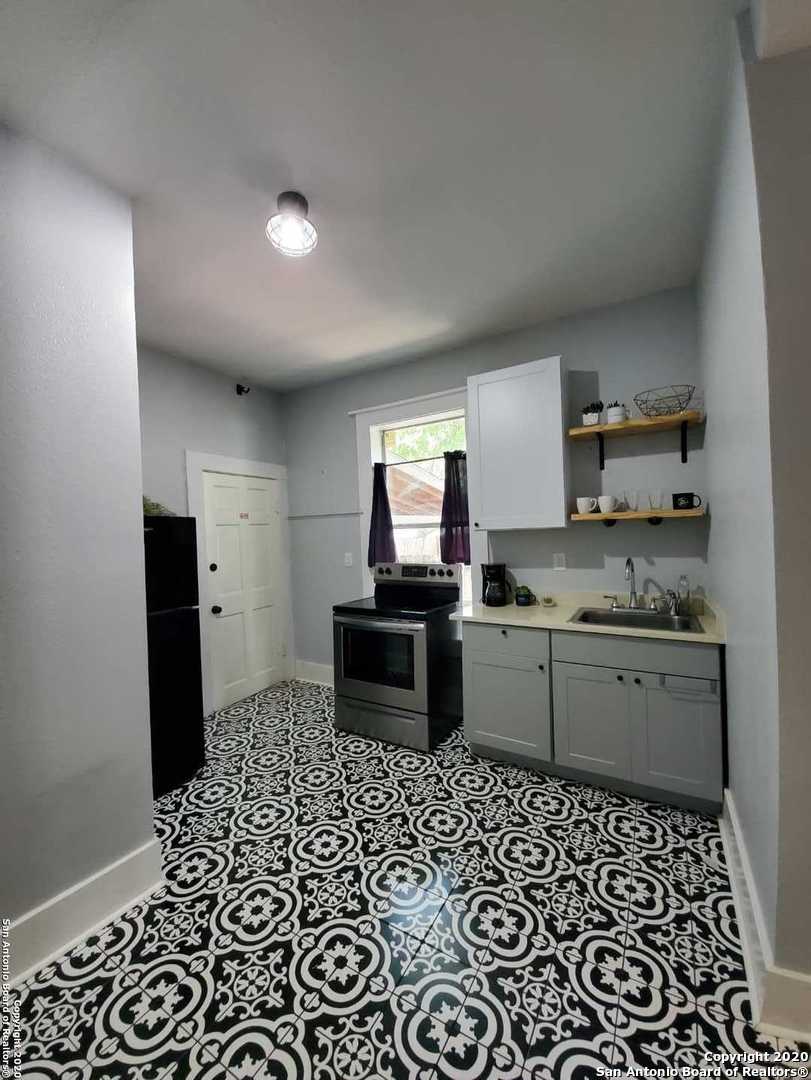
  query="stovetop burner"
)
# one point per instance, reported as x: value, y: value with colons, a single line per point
x: 408, y: 591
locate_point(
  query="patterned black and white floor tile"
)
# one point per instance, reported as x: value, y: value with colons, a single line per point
x: 337, y: 908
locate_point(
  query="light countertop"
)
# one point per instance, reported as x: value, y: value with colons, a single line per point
x: 538, y: 617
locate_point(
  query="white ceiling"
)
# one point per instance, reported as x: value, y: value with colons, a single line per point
x: 471, y: 166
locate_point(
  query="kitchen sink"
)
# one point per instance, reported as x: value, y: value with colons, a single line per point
x: 638, y: 619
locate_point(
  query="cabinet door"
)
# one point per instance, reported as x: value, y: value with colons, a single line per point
x: 592, y: 719
x: 516, y: 447
x: 506, y: 703
x: 677, y: 734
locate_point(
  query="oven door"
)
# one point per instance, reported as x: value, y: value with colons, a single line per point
x: 381, y: 660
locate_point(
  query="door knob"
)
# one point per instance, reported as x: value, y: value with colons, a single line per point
x: 216, y: 609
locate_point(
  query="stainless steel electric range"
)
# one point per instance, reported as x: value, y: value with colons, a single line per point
x: 398, y: 657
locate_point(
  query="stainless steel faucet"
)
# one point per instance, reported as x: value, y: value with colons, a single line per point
x: 630, y: 575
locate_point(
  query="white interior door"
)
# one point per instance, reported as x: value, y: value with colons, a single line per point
x: 244, y: 602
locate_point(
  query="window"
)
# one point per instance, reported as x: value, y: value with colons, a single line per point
x: 415, y: 474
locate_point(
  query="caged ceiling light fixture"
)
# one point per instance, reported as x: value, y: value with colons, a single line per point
x: 290, y: 230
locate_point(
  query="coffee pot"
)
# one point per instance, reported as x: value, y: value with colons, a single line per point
x: 494, y: 584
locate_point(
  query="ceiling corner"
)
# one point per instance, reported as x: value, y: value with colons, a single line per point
x: 780, y: 26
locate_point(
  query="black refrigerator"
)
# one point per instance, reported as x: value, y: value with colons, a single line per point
x: 173, y: 638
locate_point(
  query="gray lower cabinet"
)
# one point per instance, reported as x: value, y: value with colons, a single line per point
x: 507, y: 704
x: 644, y: 712
x: 676, y: 734
x: 592, y: 719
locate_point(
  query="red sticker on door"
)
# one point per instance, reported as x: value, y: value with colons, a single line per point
x: 243, y: 515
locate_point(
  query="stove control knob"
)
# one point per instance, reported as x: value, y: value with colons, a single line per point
x: 380, y: 569
x: 441, y: 573
x: 388, y: 569
x: 450, y: 573
x: 432, y: 573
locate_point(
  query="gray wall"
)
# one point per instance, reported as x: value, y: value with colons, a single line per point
x: 76, y: 791
x: 188, y: 407
x: 741, y: 551
x: 610, y: 352
x: 780, y: 107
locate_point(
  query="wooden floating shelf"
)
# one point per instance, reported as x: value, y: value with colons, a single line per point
x: 639, y: 425
x: 653, y: 516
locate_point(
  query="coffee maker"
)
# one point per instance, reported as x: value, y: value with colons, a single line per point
x: 494, y: 584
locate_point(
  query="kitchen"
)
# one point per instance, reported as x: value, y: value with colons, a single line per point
x: 476, y: 408
x: 639, y: 705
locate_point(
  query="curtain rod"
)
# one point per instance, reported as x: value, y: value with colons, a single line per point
x: 420, y: 460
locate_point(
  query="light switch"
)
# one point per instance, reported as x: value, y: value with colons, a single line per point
x: 559, y: 560
x: 348, y: 558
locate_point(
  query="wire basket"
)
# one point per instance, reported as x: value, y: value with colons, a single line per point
x: 665, y: 400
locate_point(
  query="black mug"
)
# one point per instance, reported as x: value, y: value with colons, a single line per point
x: 686, y: 500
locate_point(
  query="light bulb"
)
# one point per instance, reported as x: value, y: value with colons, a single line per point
x: 289, y: 230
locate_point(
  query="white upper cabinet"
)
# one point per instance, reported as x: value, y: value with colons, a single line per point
x: 517, y: 455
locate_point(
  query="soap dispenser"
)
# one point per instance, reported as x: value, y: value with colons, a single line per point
x: 684, y: 595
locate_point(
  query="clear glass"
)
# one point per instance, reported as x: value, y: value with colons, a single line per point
x: 291, y: 234
x: 416, y: 483
x: 656, y: 500
x: 415, y: 491
x: 631, y: 499
x: 431, y: 439
x: 385, y: 658
x: 418, y: 544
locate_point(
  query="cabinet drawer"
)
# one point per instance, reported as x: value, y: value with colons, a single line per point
x: 506, y: 639
x: 637, y: 654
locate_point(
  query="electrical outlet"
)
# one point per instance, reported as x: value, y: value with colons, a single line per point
x: 348, y: 558
x: 559, y: 560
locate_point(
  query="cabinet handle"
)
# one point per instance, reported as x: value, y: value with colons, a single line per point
x: 540, y: 667
x: 216, y: 609
x: 638, y: 682
x: 475, y: 524
x: 619, y: 678
x: 503, y: 633
x: 212, y: 567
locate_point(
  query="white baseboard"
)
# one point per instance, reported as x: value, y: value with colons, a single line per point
x: 51, y: 929
x: 781, y: 998
x: 310, y: 671
x: 757, y: 950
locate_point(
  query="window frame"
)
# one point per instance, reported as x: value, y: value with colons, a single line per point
x: 369, y: 425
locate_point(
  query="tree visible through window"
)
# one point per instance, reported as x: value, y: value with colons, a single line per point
x: 416, y: 481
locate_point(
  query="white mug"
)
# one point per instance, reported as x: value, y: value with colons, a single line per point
x: 607, y: 503
x: 586, y: 505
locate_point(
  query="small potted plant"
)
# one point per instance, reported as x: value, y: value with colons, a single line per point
x: 592, y: 413
x: 616, y: 412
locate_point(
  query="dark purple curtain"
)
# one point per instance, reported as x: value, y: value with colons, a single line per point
x: 454, y: 532
x: 381, y: 533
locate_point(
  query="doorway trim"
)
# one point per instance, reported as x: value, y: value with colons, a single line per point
x: 198, y: 463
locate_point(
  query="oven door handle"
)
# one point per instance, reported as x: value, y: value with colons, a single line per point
x: 413, y: 628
